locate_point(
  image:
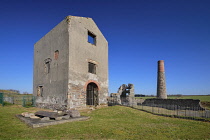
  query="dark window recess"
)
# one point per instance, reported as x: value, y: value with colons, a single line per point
x: 40, y: 91
x: 92, y: 68
x: 56, y: 54
x: 47, y: 65
x: 91, y: 38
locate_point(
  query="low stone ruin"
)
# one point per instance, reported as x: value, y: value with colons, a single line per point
x: 173, y: 104
x: 56, y: 115
x: 44, y: 118
x: 124, y: 96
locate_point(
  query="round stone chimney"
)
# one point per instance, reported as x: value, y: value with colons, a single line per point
x: 161, y: 81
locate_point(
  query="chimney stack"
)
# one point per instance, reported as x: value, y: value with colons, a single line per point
x: 161, y: 81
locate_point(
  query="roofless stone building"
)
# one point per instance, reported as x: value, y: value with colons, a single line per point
x: 71, y: 66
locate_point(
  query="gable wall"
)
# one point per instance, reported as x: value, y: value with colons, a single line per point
x: 81, y: 52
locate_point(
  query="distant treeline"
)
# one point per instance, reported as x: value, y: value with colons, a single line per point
x: 140, y: 95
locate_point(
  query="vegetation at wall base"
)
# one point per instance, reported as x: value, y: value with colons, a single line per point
x: 7, y: 103
x: 116, y: 122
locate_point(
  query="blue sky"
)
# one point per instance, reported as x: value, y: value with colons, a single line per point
x: 139, y: 32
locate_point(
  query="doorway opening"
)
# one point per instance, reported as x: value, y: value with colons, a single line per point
x: 92, y: 94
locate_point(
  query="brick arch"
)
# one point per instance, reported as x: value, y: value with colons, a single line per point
x: 91, y: 81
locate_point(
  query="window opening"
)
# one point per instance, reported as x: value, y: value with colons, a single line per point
x: 40, y: 91
x: 56, y: 54
x: 91, y: 38
x: 47, y: 65
x: 91, y: 68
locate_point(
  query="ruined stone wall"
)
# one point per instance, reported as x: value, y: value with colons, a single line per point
x: 54, y: 81
x: 80, y: 53
x: 174, y: 103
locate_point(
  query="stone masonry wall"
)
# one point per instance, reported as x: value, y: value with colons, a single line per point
x: 161, y: 81
x: 81, y: 52
x: 77, y: 90
x: 174, y: 103
x: 54, y: 81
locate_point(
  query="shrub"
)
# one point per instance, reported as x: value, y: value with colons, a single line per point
x: 7, y: 103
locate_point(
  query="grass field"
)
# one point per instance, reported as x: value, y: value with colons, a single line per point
x: 115, y: 122
x: 12, y: 93
x: 203, y: 98
x: 7, y: 91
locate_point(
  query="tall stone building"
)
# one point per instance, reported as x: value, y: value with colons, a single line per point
x: 71, y: 66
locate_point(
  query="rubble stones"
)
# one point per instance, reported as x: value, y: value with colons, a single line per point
x: 47, y: 114
x: 35, y: 123
x: 66, y: 116
x: 34, y: 117
x: 55, y: 115
x: 60, y: 112
x: 27, y: 115
x: 73, y: 113
x: 45, y: 119
x: 58, y: 118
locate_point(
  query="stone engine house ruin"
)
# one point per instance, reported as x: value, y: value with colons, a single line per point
x: 71, y: 66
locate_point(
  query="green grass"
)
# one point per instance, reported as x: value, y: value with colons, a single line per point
x: 203, y: 98
x: 115, y: 122
x: 7, y: 103
x: 147, y: 97
x: 8, y: 93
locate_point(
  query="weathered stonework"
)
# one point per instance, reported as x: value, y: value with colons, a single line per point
x: 61, y: 65
x: 174, y: 104
x: 125, y: 96
x: 161, y: 82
